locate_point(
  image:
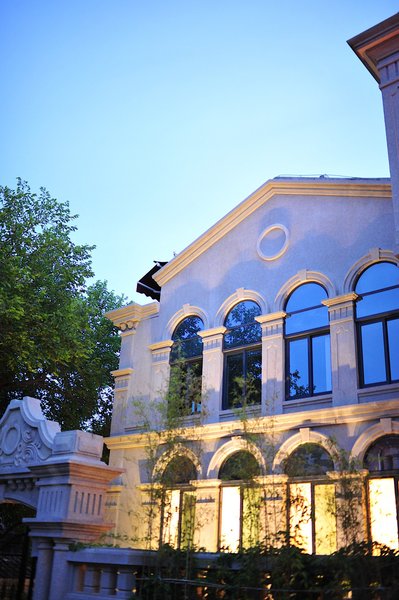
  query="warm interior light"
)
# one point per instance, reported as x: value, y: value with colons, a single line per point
x: 383, y: 519
x: 171, y: 518
x: 300, y: 515
x: 325, y: 521
x: 230, y: 519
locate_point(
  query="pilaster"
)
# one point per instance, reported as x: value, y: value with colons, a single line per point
x: 273, y: 391
x: 212, y: 372
x: 343, y: 348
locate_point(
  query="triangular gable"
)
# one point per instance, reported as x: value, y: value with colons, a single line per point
x: 304, y: 186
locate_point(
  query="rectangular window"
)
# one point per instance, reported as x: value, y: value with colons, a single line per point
x: 393, y: 343
x: 243, y: 378
x: 301, y: 526
x: 298, y: 368
x: 383, y: 516
x: 321, y: 364
x: 373, y: 352
x: 250, y: 516
x: 230, y: 519
x: 325, y: 519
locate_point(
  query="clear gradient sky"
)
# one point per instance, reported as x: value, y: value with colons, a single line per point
x: 155, y: 118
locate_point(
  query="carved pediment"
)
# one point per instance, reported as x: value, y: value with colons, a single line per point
x: 26, y: 437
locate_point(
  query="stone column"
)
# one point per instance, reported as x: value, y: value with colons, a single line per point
x: 343, y: 348
x: 160, y: 369
x: 207, y: 514
x: 59, y: 574
x: 273, y: 387
x: 43, y: 569
x: 122, y: 379
x: 378, y: 49
x: 212, y: 372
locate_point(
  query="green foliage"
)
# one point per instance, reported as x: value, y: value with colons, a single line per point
x: 278, y: 573
x: 54, y: 342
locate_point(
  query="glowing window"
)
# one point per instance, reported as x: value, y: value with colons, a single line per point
x: 382, y: 457
x: 308, y: 359
x: 377, y: 313
x: 240, y: 504
x: 312, y: 503
x: 243, y: 356
x: 178, y: 503
x: 186, y: 367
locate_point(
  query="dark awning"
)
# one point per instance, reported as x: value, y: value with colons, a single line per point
x: 147, y: 285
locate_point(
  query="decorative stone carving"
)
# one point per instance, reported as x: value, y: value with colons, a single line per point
x: 26, y: 437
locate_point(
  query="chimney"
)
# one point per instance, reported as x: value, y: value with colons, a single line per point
x: 378, y: 49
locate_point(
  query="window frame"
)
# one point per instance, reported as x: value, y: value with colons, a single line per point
x: 309, y: 335
x: 243, y: 351
x: 383, y: 318
x: 193, y: 406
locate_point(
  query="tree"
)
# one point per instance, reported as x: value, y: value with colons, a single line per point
x: 55, y: 343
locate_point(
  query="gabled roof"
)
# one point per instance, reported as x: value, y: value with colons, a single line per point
x: 293, y: 186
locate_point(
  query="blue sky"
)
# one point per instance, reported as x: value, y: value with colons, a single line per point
x: 154, y: 119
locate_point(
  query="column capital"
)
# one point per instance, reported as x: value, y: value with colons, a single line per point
x: 272, y: 323
x: 213, y: 338
x: 341, y: 308
x: 161, y: 350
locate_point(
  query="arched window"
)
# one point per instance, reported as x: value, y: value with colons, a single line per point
x: 312, y: 499
x: 178, y: 503
x: 243, y: 356
x: 184, y: 394
x: 240, y: 502
x: 308, y: 357
x: 382, y: 462
x: 377, y: 314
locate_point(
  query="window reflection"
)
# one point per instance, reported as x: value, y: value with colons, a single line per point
x: 243, y: 356
x: 240, y: 504
x: 178, y: 503
x: 308, y: 342
x: 377, y: 310
x: 186, y: 367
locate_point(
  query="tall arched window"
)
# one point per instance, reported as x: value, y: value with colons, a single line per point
x: 240, y: 502
x: 243, y: 356
x: 377, y: 314
x: 308, y: 356
x: 184, y: 394
x: 178, y: 503
x: 382, y: 462
x: 312, y: 499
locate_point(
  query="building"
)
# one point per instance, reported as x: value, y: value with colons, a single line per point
x: 259, y: 395
x: 278, y: 330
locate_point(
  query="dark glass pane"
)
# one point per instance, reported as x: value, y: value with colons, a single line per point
x: 186, y: 348
x: 321, y: 358
x: 383, y: 454
x: 188, y: 328
x: 380, y: 302
x: 393, y: 341
x: 242, y: 313
x: 187, y: 343
x: 305, y: 296
x: 378, y: 276
x: 241, y: 465
x: 184, y: 392
x: 253, y: 380
x: 373, y: 353
x: 234, y: 379
x: 244, y: 335
x: 179, y: 470
x: 308, y: 319
x: 308, y: 459
x: 299, y: 368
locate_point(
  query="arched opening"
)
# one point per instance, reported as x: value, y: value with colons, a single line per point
x: 178, y: 502
x: 17, y: 566
x: 312, y: 499
x: 240, y: 502
x: 382, y: 461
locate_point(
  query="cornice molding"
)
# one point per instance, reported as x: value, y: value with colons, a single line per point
x: 132, y: 313
x: 300, y: 187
